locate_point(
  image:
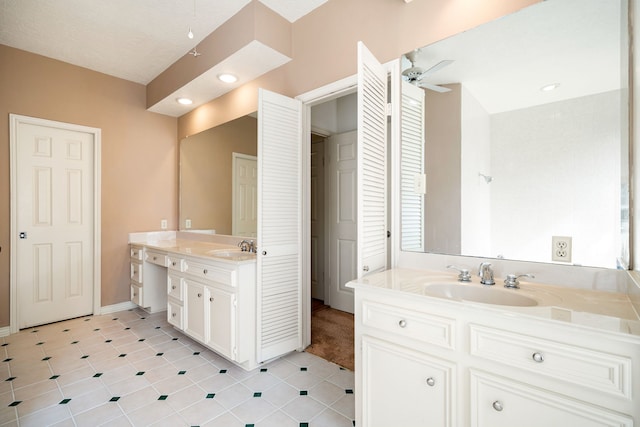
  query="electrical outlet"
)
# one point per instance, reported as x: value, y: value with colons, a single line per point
x: 163, y: 224
x: 187, y: 223
x: 561, y: 248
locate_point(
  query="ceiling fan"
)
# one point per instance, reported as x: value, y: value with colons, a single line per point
x: 414, y: 74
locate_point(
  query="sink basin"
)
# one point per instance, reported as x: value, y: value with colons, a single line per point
x: 230, y: 253
x: 479, y: 293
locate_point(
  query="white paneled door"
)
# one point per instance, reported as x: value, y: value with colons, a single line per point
x: 372, y: 163
x: 54, y: 186
x: 344, y: 218
x: 279, y: 260
x: 245, y: 195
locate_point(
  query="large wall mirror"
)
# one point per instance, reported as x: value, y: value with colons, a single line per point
x: 218, y: 173
x: 526, y: 138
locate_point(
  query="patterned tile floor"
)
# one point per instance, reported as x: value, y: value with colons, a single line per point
x: 133, y: 369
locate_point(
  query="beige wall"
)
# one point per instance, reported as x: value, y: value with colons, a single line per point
x: 139, y: 154
x: 324, y: 46
x: 443, y: 139
x: 206, y: 173
x: 139, y: 149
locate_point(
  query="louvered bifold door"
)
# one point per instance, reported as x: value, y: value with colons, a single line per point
x: 372, y: 163
x: 412, y: 168
x: 279, y: 261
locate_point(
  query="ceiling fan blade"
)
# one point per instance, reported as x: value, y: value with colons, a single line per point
x: 440, y: 65
x: 435, y: 88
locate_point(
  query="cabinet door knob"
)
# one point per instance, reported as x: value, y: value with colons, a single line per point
x: 173, y: 287
x: 402, y: 323
x: 199, y: 295
x: 211, y: 299
x: 538, y: 357
x: 173, y: 315
x: 155, y: 258
x: 264, y: 253
x: 431, y: 382
x: 205, y: 271
x: 173, y: 263
x: 497, y: 405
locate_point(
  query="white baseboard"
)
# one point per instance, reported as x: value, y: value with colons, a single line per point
x: 5, y: 331
x: 127, y: 305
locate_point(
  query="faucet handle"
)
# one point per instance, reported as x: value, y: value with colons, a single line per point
x: 464, y: 275
x: 511, y: 281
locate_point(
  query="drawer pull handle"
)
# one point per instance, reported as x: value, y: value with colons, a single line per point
x: 155, y: 258
x: 173, y: 315
x: 497, y: 405
x: 538, y: 357
x: 173, y: 263
x: 199, y: 295
x: 205, y: 271
x: 431, y: 382
x: 402, y: 323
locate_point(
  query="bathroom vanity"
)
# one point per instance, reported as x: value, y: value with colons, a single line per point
x: 207, y: 289
x: 429, y: 354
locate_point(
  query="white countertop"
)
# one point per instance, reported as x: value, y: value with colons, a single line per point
x: 197, y: 248
x: 608, y: 311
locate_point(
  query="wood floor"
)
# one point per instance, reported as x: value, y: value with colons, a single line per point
x: 332, y: 335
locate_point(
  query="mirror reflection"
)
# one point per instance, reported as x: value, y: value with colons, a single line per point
x: 525, y: 130
x: 218, y: 173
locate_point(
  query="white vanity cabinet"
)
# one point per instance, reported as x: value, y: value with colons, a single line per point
x: 401, y: 383
x: 429, y: 362
x: 148, y: 275
x: 214, y: 302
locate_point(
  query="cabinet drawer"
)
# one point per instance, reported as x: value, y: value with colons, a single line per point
x: 175, y: 263
x: 498, y: 401
x: 398, y: 321
x: 175, y: 285
x: 210, y: 273
x: 156, y: 258
x: 136, y: 294
x: 174, y: 314
x: 136, y: 272
x: 584, y: 367
x: 136, y: 252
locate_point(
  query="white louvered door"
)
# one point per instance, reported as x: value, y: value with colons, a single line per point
x: 279, y: 261
x: 412, y: 168
x: 372, y: 163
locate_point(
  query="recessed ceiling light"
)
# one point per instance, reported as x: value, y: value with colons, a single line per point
x: 227, y: 78
x: 550, y: 87
x: 184, y: 101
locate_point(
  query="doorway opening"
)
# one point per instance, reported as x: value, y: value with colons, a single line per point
x: 333, y: 220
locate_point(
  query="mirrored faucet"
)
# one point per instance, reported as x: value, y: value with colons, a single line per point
x: 247, y: 246
x: 486, y: 274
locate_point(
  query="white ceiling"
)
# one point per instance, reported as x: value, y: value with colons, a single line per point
x: 131, y: 39
x: 504, y: 63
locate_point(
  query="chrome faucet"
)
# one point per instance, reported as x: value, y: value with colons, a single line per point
x: 247, y: 246
x: 464, y: 275
x: 486, y: 274
x: 512, y: 282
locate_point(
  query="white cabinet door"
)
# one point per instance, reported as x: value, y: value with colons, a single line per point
x: 194, y: 310
x: 498, y: 402
x: 222, y: 322
x: 402, y: 387
x: 279, y: 261
x: 372, y: 163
